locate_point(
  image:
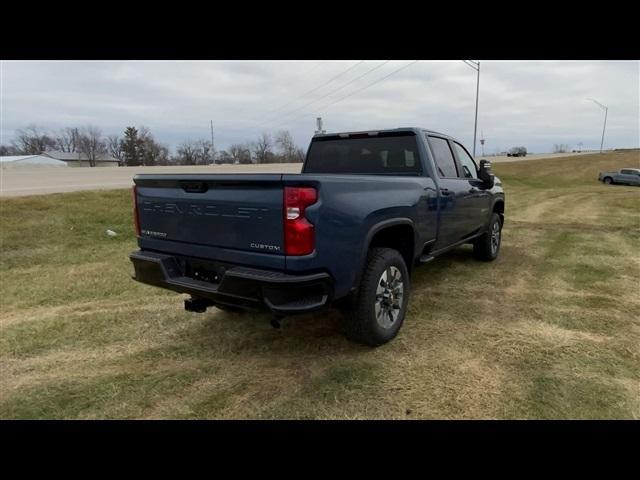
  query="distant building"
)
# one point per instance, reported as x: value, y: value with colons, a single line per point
x: 76, y: 159
x: 16, y: 161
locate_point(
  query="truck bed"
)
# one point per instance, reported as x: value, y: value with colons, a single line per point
x: 238, y: 218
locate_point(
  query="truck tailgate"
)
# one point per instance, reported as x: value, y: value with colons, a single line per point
x: 240, y: 212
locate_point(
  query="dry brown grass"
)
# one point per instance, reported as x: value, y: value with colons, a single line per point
x: 549, y: 330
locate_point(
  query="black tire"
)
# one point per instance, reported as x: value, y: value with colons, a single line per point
x: 373, y: 320
x: 608, y: 180
x: 487, y: 246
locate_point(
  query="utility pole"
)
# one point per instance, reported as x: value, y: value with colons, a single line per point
x: 482, y: 141
x: 476, y: 67
x: 213, y: 159
x: 319, y: 126
x: 606, y: 111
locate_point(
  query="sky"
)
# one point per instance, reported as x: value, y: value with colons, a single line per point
x: 536, y: 104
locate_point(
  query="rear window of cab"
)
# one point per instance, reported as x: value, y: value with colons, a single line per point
x: 381, y: 154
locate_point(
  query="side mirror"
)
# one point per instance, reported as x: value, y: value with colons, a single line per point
x: 484, y: 173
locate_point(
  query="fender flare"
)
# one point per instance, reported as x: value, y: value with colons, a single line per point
x: 495, y: 202
x: 375, y: 228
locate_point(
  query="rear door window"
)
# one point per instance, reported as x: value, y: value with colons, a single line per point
x: 445, y: 163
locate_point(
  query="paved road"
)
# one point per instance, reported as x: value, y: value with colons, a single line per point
x: 40, y: 180
x: 535, y: 156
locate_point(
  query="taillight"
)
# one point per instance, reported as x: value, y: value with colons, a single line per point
x: 299, y: 236
x: 134, y: 190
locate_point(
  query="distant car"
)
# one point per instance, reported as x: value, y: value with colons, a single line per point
x: 626, y: 176
x: 517, y: 152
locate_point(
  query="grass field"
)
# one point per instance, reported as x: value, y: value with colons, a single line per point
x: 549, y: 330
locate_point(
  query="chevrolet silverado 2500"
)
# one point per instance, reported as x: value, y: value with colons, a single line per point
x: 348, y: 230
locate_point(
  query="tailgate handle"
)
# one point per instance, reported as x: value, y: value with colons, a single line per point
x: 194, y: 187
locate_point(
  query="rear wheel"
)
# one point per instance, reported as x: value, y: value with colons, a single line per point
x: 487, y: 246
x: 381, y: 302
x: 608, y: 180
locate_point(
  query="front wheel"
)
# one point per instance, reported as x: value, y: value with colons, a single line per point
x: 487, y: 246
x: 381, y: 302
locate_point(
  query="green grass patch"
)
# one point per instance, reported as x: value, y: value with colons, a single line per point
x: 575, y: 398
x: 348, y: 385
x: 125, y: 395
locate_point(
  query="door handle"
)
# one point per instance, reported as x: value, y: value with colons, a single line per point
x: 445, y: 191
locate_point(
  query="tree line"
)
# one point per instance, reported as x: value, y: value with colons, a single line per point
x: 137, y: 146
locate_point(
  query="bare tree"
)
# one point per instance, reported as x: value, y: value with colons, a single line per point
x: 33, y: 140
x: 223, y: 157
x: 67, y: 140
x: 146, y: 146
x: 114, y: 147
x: 299, y: 155
x: 241, y: 153
x: 91, y: 143
x: 194, y: 152
x: 151, y: 152
x: 204, y: 153
x: 163, y: 155
x: 186, y: 154
x: 8, y: 150
x: 262, y: 148
x: 288, y: 150
x: 560, y: 148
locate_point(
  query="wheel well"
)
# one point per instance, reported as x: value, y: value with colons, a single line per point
x: 398, y: 237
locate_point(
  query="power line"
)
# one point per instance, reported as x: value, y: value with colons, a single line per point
x: 472, y: 64
x: 310, y: 91
x: 325, y: 96
x: 370, y: 85
x: 324, y: 109
x: 315, y: 67
x: 269, y: 113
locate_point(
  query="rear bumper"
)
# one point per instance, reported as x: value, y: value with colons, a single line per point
x: 238, y: 286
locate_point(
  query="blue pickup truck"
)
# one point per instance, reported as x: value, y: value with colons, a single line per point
x: 347, y: 231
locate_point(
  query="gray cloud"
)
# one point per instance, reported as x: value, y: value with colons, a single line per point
x: 536, y: 104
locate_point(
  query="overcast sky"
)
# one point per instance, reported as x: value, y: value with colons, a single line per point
x: 530, y: 103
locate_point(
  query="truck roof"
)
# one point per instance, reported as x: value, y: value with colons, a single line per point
x: 382, y: 130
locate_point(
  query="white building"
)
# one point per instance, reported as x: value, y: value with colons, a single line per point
x: 75, y: 159
x: 15, y: 161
